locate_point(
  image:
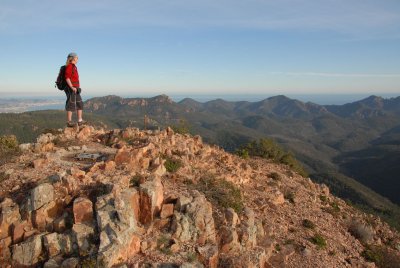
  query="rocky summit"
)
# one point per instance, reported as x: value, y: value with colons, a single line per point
x: 133, y: 198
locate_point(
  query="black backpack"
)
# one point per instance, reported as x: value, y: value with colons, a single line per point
x: 61, y: 83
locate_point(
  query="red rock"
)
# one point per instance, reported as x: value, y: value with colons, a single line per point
x: 151, y: 198
x: 30, y: 233
x: 39, y: 163
x: 5, y: 253
x: 19, y: 230
x: 84, y: 133
x: 8, y: 215
x: 83, y: 210
x: 122, y: 157
x: 109, y: 166
x: 43, y: 218
x: 77, y: 173
x: 167, y: 210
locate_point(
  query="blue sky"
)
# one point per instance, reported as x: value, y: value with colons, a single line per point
x: 129, y: 47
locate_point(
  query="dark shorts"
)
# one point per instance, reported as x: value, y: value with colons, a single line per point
x: 74, y: 101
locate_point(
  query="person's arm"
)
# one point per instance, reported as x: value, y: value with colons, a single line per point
x: 70, y: 85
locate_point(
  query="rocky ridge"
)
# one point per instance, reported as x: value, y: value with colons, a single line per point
x: 95, y: 198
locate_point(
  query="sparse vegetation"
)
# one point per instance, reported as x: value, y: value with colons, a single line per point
x: 135, y: 181
x: 222, y: 192
x: 319, y: 241
x: 243, y: 153
x: 268, y: 148
x: 290, y: 197
x: 382, y: 256
x: 308, y: 224
x: 181, y: 128
x: 275, y: 176
x: 163, y: 244
x: 323, y: 198
x: 172, y: 165
x: 361, y: 231
x: 191, y: 257
x: 8, y: 148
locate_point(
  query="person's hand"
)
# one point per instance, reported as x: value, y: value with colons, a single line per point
x: 74, y: 89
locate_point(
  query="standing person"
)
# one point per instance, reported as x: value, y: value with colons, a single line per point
x: 73, y: 90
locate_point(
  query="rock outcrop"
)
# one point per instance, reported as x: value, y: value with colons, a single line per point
x: 129, y: 198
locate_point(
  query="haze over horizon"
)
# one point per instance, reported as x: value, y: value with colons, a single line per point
x: 290, y: 47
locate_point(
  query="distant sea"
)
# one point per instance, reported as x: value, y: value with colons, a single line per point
x: 58, y: 102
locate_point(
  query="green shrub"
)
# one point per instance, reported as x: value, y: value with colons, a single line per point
x: 308, y: 224
x: 243, y: 153
x: 172, y: 165
x: 319, y: 241
x: 221, y: 192
x: 290, y: 197
x: 382, y: 256
x: 268, y: 148
x: 8, y: 148
x: 191, y: 256
x: 181, y: 128
x: 8, y: 144
x: 323, y: 198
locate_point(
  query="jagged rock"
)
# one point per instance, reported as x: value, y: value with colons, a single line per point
x: 41, y: 195
x: 5, y: 253
x: 25, y: 147
x: 83, y: 235
x: 196, y: 223
x: 28, y: 252
x: 276, y: 197
x: 60, y: 224
x: 208, y: 255
x: 52, y: 263
x: 19, y: 230
x: 84, y: 133
x: 167, y: 211
x: 56, y: 244
x: 9, y: 214
x: 70, y: 263
x: 249, y: 259
x: 127, y: 205
x: 117, y: 219
x: 43, y: 217
x: 39, y: 163
x: 229, y: 241
x: 83, y: 210
x: 231, y: 217
x: 248, y: 230
x: 182, y: 203
x: 151, y: 199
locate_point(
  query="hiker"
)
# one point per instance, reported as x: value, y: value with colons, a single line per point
x: 73, y: 91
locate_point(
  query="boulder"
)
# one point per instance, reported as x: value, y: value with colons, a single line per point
x: 151, y: 199
x: 83, y: 236
x: 167, y: 211
x: 5, y: 253
x: 83, y: 210
x: 56, y: 244
x: 41, y: 195
x: 9, y: 214
x: 28, y: 252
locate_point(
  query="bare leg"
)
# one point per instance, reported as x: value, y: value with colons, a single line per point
x: 69, y: 116
x: 79, y: 113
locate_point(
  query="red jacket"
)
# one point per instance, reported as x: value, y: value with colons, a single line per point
x: 71, y: 72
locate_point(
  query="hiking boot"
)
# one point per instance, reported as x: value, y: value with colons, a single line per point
x: 70, y: 124
x: 82, y: 123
